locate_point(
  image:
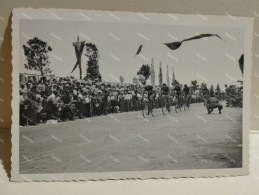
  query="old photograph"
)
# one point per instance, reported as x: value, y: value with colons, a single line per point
x: 144, y: 94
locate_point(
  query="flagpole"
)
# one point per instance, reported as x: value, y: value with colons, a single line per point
x: 160, y: 74
x: 173, y: 77
x: 152, y: 73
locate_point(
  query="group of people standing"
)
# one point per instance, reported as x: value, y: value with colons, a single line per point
x: 43, y: 98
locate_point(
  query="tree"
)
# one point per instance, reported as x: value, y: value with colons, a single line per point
x: 144, y: 71
x: 92, y: 53
x: 121, y: 79
x: 194, y: 85
x: 203, y: 86
x: 36, y: 52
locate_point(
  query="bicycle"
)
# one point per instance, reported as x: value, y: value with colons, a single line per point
x: 166, y: 104
x: 147, y: 107
x: 178, y: 103
x: 186, y: 102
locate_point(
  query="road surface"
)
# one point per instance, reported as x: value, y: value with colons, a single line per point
x: 127, y: 142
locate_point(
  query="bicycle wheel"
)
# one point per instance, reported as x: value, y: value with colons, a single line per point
x: 150, y: 106
x: 163, y: 107
x: 188, y: 104
x: 176, y: 105
x: 144, y: 108
x: 184, y: 105
x: 180, y: 104
x: 166, y: 106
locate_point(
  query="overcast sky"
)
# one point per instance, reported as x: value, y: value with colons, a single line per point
x: 210, y: 60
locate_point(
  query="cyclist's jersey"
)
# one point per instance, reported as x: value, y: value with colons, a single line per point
x: 149, y: 90
x: 186, y: 90
x: 165, y: 90
x: 177, y: 90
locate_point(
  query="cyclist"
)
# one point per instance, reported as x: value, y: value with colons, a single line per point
x: 148, y: 97
x: 164, y: 89
x: 150, y: 92
x: 165, y: 93
x: 186, y: 93
x: 177, y: 90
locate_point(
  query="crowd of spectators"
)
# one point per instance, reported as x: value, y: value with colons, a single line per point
x: 45, y: 98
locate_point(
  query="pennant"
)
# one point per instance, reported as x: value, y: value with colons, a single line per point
x: 78, y: 51
x: 139, y: 50
x: 177, y: 44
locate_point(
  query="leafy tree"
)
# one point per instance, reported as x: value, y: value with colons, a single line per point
x: 203, y: 86
x: 121, y: 79
x: 92, y: 53
x: 194, y: 85
x: 144, y: 71
x: 36, y: 52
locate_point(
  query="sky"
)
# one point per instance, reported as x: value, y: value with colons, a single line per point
x: 209, y: 60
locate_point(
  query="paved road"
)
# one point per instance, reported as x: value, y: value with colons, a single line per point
x: 126, y: 142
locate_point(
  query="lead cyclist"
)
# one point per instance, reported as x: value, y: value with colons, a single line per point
x: 148, y: 96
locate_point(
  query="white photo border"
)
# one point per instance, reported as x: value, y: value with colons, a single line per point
x: 129, y: 17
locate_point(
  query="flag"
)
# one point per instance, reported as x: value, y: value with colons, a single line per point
x: 241, y: 63
x: 139, y: 50
x: 79, y: 47
x: 173, y: 45
x: 160, y: 74
x: 177, y: 44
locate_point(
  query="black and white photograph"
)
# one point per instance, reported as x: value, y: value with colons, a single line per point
x: 129, y: 95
